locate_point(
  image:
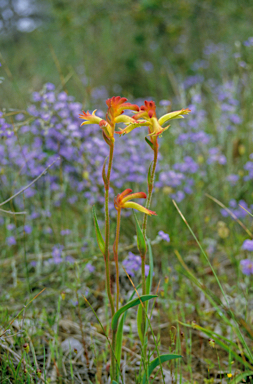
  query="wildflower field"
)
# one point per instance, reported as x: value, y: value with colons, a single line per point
x: 126, y: 207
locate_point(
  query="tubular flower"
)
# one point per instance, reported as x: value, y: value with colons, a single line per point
x: 147, y: 116
x: 116, y: 106
x: 90, y: 118
x: 122, y: 201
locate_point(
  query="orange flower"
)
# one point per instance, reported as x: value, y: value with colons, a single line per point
x: 122, y: 201
x: 147, y: 116
x: 116, y: 106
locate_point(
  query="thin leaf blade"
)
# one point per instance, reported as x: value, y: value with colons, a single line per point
x: 157, y: 361
x: 141, y: 243
x: 100, y: 239
x: 127, y: 306
x: 120, y: 331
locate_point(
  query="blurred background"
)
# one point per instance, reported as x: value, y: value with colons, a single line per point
x: 140, y: 48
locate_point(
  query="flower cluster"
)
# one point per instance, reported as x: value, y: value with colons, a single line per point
x: 237, y: 209
x: 132, y: 264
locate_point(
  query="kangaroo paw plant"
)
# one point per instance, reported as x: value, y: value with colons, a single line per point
x: 145, y: 116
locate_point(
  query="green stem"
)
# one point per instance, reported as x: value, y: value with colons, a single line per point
x: 113, y: 359
x: 150, y: 188
x: 144, y: 230
x: 116, y: 259
x: 107, y: 231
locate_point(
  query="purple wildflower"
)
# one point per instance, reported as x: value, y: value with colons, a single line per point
x: 27, y: 229
x: 164, y: 236
x: 148, y: 66
x: 249, y: 42
x: 70, y: 259
x: 146, y: 270
x: 65, y: 232
x: 132, y: 264
x: 33, y: 263
x: 248, y: 245
x: 90, y: 267
x: 57, y: 251
x: 247, y: 266
x: 11, y: 240
x: 10, y: 227
x: 232, y: 179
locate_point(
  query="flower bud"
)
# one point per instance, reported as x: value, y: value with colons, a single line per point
x: 26, y: 347
x: 39, y: 373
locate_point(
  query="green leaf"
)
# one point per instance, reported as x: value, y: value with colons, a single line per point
x: 149, y: 173
x: 139, y: 324
x: 239, y: 378
x: 151, y: 269
x: 141, y: 243
x: 120, y: 332
x: 106, y: 139
x: 114, y: 382
x: 157, y: 361
x: 130, y: 304
x: 104, y: 173
x: 149, y: 143
x: 100, y: 239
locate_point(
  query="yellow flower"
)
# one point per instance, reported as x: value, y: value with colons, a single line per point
x: 26, y: 347
x: 147, y: 117
x: 116, y: 106
x: 122, y: 201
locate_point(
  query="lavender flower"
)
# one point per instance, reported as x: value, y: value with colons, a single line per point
x: 164, y: 236
x: 10, y: 227
x: 132, y: 264
x: 248, y: 245
x: 233, y: 179
x: 11, y: 240
x: 247, y: 266
x: 27, y: 229
x: 90, y: 267
x: 249, y: 42
x: 70, y: 259
x: 65, y: 232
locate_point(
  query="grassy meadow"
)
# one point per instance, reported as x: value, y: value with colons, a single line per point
x: 60, y: 58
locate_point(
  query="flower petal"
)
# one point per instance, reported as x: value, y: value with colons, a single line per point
x: 138, y: 195
x: 130, y: 127
x: 173, y: 115
x: 139, y: 207
x: 91, y: 118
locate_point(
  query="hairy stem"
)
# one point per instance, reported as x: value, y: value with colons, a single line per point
x: 150, y: 188
x: 116, y: 259
x: 107, y: 231
x: 148, y: 203
x: 151, y: 180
